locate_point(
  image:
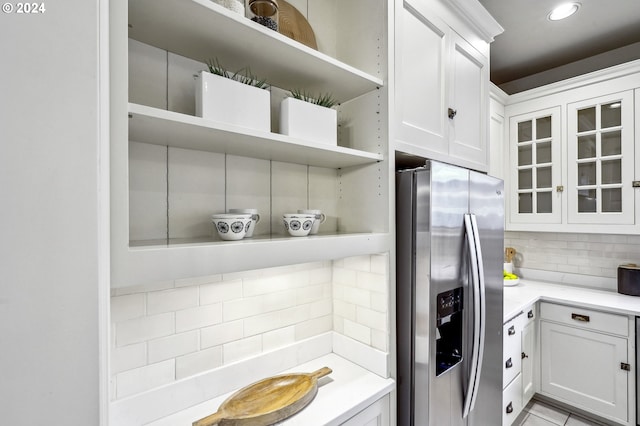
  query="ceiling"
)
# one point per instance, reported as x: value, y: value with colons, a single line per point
x: 533, y: 51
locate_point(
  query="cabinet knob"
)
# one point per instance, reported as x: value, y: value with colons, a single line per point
x: 512, y: 330
x: 523, y: 355
x: 530, y: 314
x: 510, y: 408
x: 508, y: 364
x: 451, y: 113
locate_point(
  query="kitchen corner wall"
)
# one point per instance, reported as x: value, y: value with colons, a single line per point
x: 171, y: 330
x: 592, y: 255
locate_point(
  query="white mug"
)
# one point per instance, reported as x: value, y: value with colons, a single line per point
x: 255, y: 218
x: 320, y: 218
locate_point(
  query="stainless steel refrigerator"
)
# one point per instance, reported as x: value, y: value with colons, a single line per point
x: 450, y: 240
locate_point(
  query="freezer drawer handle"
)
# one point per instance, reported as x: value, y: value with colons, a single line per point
x: 580, y: 317
x: 510, y: 408
x: 508, y: 364
x: 512, y: 330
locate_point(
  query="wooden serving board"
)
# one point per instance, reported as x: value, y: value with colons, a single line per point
x: 267, y: 401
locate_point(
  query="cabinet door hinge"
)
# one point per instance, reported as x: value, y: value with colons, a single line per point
x: 624, y: 366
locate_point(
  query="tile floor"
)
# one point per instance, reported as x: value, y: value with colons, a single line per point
x: 538, y: 413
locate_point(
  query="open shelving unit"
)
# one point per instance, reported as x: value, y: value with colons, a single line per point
x: 198, y: 30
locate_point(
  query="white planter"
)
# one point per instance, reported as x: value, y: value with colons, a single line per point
x: 228, y: 101
x: 307, y: 121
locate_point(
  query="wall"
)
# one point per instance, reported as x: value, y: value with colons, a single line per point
x: 172, y: 330
x: 582, y: 259
x: 50, y: 219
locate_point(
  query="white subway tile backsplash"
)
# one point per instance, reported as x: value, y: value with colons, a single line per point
x: 273, y: 320
x: 217, y: 335
x: 372, y: 282
x: 145, y: 378
x: 344, y: 309
x: 278, y: 338
x: 380, y: 264
x: 127, y: 307
x: 207, y: 279
x: 242, y: 308
x: 584, y: 255
x: 198, y: 362
x: 128, y: 357
x: 172, y: 300
x: 243, y: 348
x: 202, y: 316
x: 173, y: 346
x: 344, y: 276
x: 357, y: 331
x: 144, y: 329
x: 313, y: 327
x: 201, y: 323
x: 357, y: 296
x: 358, y: 263
x: 279, y: 300
x: 371, y: 318
x: 220, y: 292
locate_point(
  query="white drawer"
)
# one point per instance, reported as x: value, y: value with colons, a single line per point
x: 585, y: 318
x: 512, y: 401
x: 512, y: 350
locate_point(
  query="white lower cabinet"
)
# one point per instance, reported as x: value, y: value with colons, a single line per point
x: 519, y: 349
x: 512, y: 401
x: 377, y: 414
x: 584, y: 360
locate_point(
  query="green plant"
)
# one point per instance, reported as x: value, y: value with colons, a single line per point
x: 325, y: 100
x: 243, y: 75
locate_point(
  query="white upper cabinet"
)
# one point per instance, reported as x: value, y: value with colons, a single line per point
x: 600, y: 148
x: 534, y: 150
x: 441, y: 82
x: 572, y: 160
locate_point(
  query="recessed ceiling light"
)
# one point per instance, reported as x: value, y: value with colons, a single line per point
x: 563, y: 11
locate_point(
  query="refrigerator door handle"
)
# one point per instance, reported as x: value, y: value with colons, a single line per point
x: 479, y: 309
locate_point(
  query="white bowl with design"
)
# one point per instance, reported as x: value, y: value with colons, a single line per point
x: 232, y: 227
x: 298, y: 224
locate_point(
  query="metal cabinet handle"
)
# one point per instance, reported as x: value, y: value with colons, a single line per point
x: 530, y: 314
x: 508, y: 364
x: 580, y: 317
x: 512, y: 330
x: 451, y: 113
x: 523, y: 355
x: 510, y: 408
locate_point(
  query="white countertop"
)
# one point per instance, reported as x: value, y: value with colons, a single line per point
x: 527, y: 292
x: 342, y: 394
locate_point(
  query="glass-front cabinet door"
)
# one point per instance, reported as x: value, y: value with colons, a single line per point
x: 600, y: 153
x: 535, y: 159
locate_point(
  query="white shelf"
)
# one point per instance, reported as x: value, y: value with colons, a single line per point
x: 148, y: 262
x: 167, y: 128
x: 202, y: 30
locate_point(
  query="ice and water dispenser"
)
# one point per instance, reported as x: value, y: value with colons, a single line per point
x: 448, y: 330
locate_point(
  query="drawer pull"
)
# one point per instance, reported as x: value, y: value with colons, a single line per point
x: 523, y: 355
x: 624, y: 366
x: 580, y: 317
x: 508, y: 364
x: 530, y: 314
x: 510, y: 408
x: 512, y: 330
